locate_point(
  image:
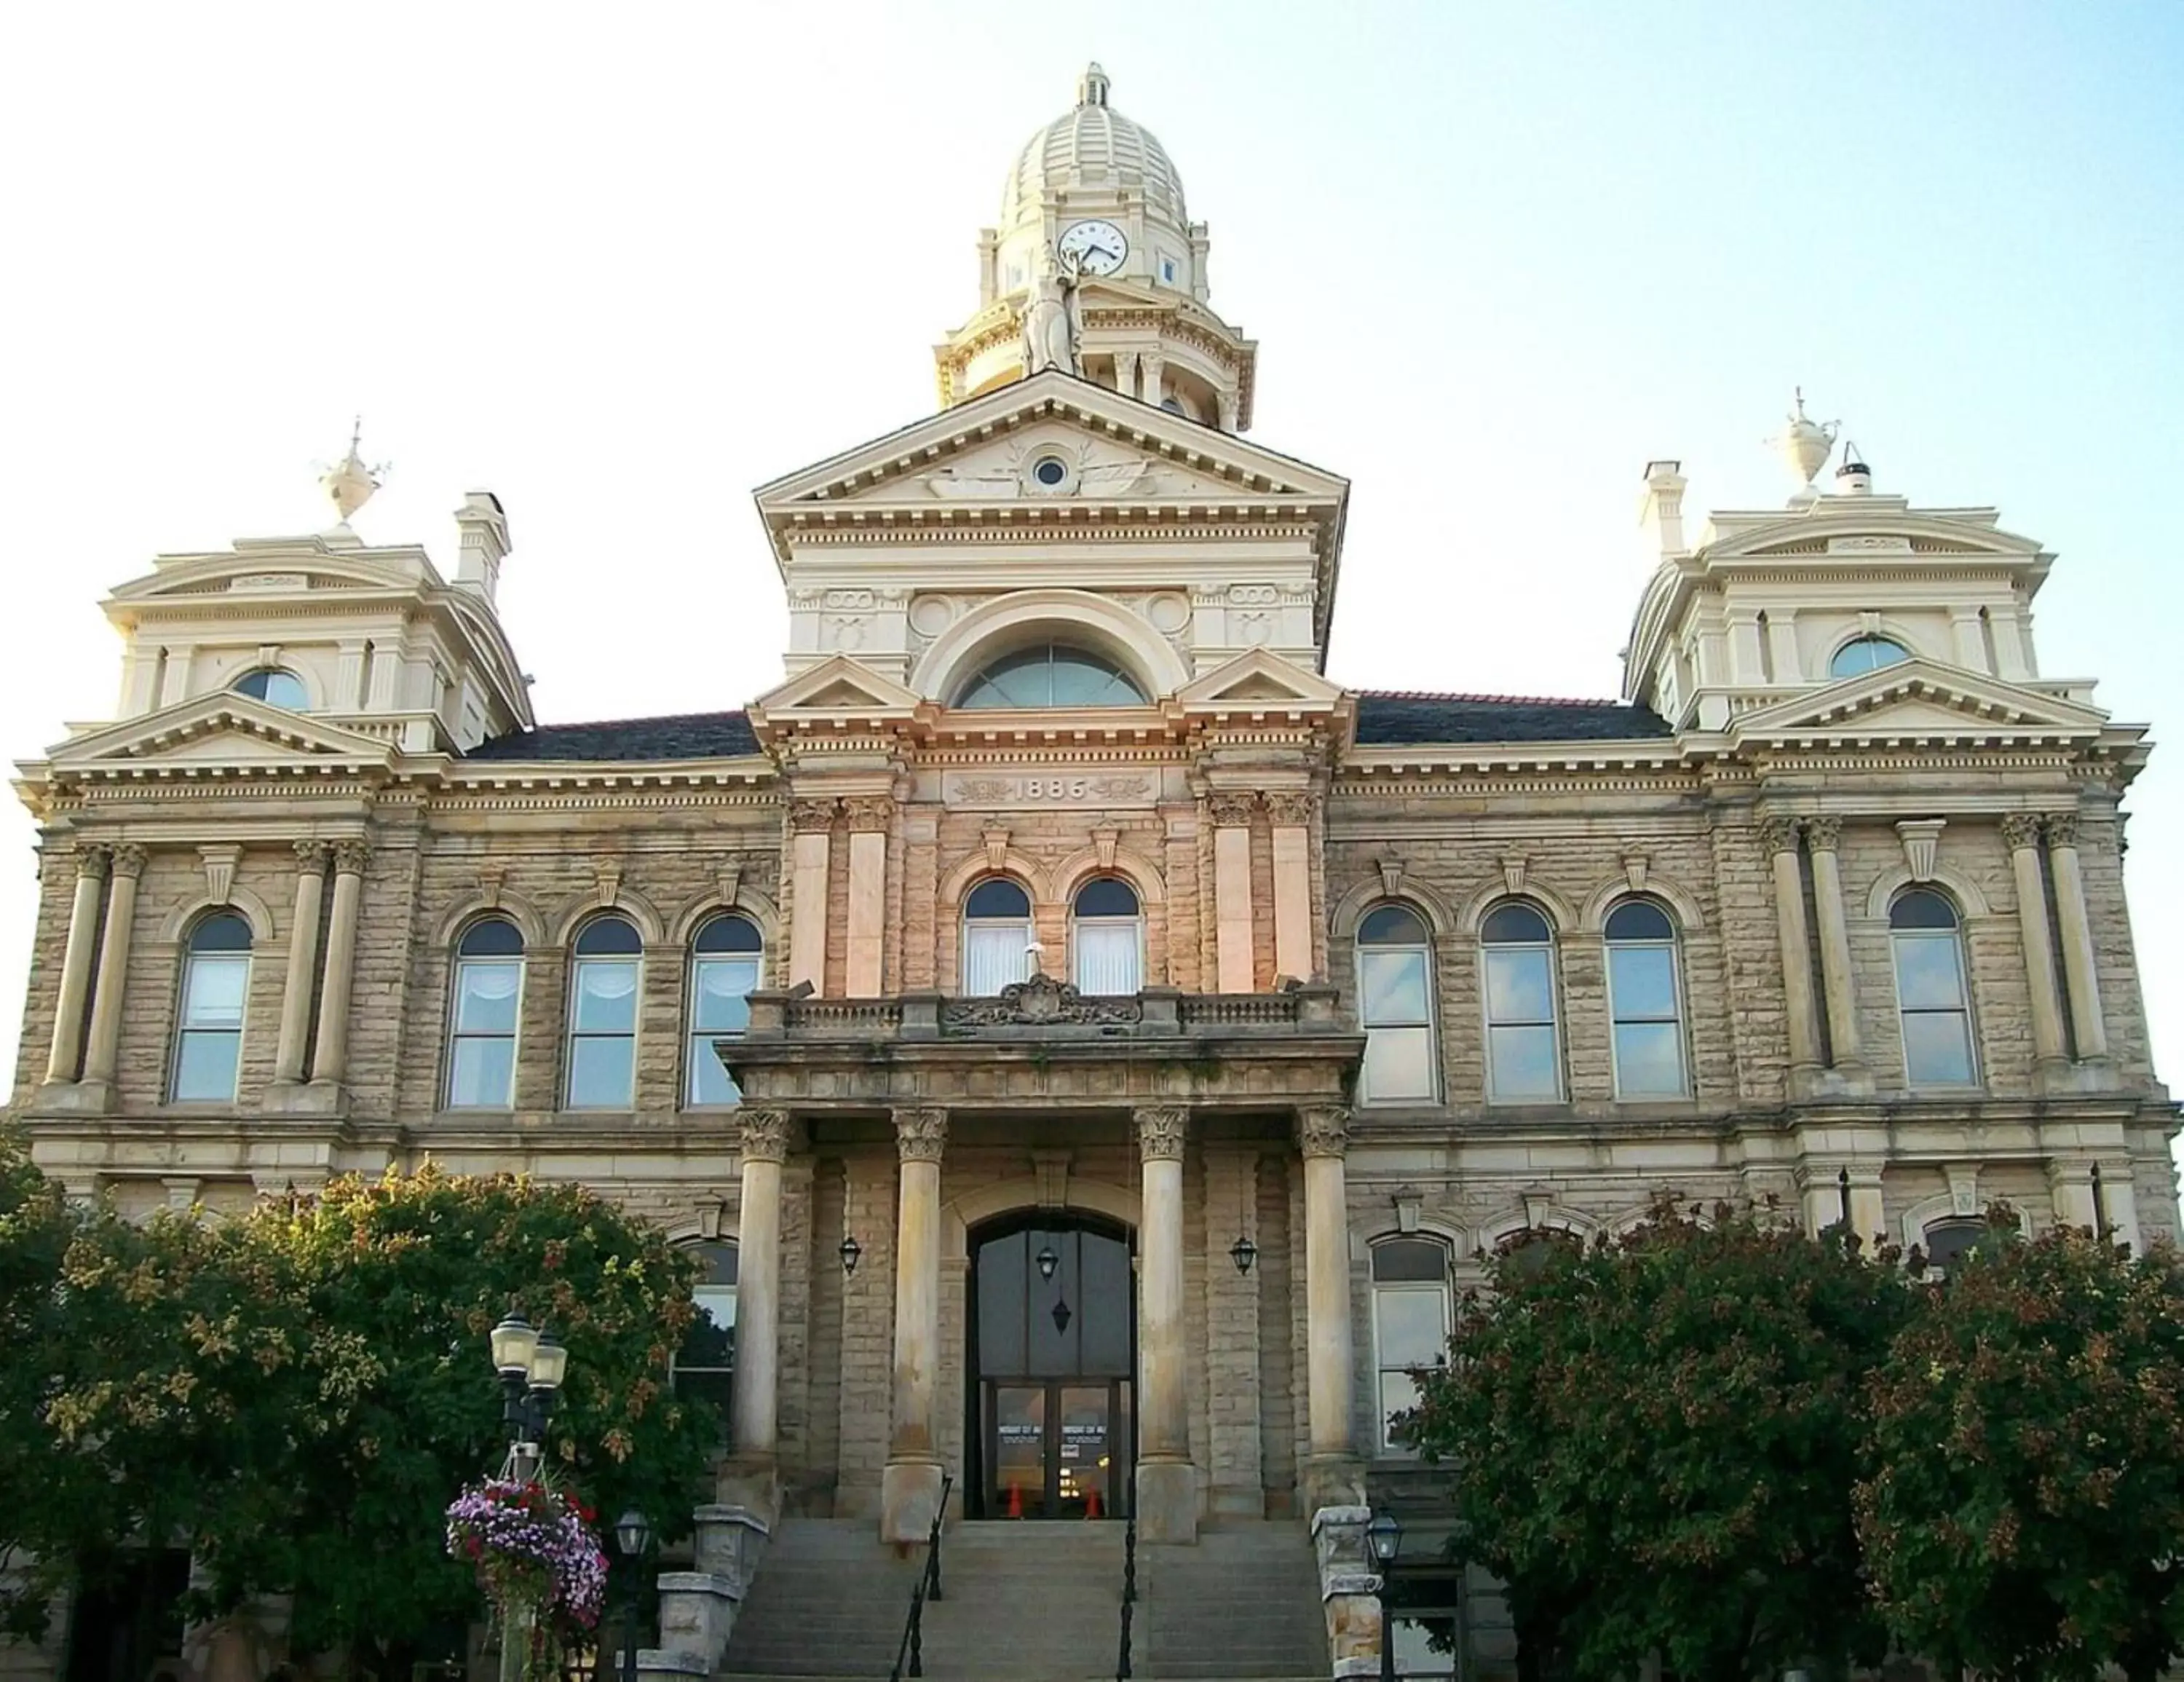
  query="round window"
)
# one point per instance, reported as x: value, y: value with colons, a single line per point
x: 1049, y: 470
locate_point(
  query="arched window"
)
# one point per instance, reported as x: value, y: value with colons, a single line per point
x: 1523, y: 1050
x: 1396, y: 1007
x: 488, y: 1002
x: 725, y: 962
x: 704, y: 1366
x: 1932, y: 999
x: 1862, y: 655
x: 209, y: 1032
x: 997, y: 937
x: 603, y: 991
x: 1410, y: 1320
x: 1051, y: 675
x: 274, y: 687
x: 1645, y: 998
x: 1107, y: 937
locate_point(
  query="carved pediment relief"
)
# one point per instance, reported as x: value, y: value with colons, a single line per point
x: 1059, y: 464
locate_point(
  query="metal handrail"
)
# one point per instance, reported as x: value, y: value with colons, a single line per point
x: 911, y: 1650
x: 1129, y: 1596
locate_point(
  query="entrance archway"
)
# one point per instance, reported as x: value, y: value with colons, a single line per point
x: 1052, y: 1361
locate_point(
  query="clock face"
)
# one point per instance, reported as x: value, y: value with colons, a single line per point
x: 1097, y: 246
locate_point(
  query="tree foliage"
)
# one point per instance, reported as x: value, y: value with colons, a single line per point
x: 2024, y: 1511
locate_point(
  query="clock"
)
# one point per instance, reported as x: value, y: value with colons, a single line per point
x: 1097, y: 246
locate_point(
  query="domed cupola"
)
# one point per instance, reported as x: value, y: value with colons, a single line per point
x: 1093, y: 146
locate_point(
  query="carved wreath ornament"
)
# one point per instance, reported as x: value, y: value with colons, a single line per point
x: 1040, y: 1000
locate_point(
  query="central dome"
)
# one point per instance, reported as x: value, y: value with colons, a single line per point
x: 1093, y: 146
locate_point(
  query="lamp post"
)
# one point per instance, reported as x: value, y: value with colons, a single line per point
x: 1384, y: 1538
x: 632, y: 1535
x: 531, y: 1365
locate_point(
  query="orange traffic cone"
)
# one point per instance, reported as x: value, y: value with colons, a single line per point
x: 1092, y: 1503
x: 1016, y: 1501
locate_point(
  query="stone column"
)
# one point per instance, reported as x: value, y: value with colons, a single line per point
x: 1967, y: 638
x: 1232, y: 892
x: 764, y: 1140
x: 1167, y: 1482
x: 909, y: 1484
x: 1292, y: 816
x: 1126, y: 372
x: 330, y: 1056
x: 1782, y: 645
x: 1324, y: 1137
x: 1822, y: 836
x: 1747, y: 664
x: 2071, y: 1186
x: 99, y: 1057
x: 1151, y: 369
x: 1779, y: 835
x: 302, y: 962
x: 66, y: 1051
x: 2080, y: 970
x: 811, y: 824
x: 871, y: 817
x: 2020, y: 833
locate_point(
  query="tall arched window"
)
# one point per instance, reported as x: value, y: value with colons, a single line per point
x: 704, y: 1366
x: 997, y: 937
x: 603, y: 991
x: 1410, y: 1320
x: 1051, y: 675
x: 725, y: 964
x: 1931, y: 999
x: 1645, y: 998
x: 208, y: 1030
x: 1396, y: 1007
x: 482, y: 1027
x: 1107, y: 937
x: 1523, y: 1050
x: 1862, y: 655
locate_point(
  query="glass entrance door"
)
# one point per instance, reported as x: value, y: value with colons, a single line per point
x: 1057, y: 1450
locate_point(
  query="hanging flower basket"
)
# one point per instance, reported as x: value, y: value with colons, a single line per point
x: 534, y: 1553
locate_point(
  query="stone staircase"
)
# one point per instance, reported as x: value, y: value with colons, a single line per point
x: 1242, y: 1602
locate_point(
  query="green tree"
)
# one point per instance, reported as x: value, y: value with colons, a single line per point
x: 2024, y: 1513
x: 1653, y: 1441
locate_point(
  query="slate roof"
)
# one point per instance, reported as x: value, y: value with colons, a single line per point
x: 1396, y: 716
x: 685, y: 736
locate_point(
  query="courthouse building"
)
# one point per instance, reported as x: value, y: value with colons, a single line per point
x: 1093, y: 1045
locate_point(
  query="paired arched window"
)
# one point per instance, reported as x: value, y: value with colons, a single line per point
x: 997, y: 936
x: 488, y: 1002
x: 208, y: 1027
x: 602, y: 994
x: 1107, y: 938
x: 704, y: 1365
x: 1862, y: 655
x: 1396, y: 1007
x: 725, y: 963
x: 1645, y: 1001
x: 274, y: 687
x: 1051, y: 675
x: 1410, y: 1321
x: 1523, y: 1048
x: 1932, y: 1001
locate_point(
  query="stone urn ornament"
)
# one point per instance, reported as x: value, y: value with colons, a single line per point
x: 1804, y: 445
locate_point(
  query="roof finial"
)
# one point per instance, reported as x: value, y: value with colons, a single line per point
x: 1092, y: 85
x: 1805, y: 446
x: 348, y: 483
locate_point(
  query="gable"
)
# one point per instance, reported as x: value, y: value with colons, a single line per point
x: 211, y: 731
x: 1920, y: 700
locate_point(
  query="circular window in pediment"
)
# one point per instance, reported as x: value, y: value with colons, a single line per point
x: 1050, y: 470
x: 1051, y: 675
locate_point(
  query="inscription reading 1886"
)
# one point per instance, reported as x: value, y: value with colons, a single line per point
x: 1036, y: 789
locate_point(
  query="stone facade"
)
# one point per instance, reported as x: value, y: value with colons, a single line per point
x: 1258, y: 814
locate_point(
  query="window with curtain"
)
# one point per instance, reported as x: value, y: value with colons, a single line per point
x: 208, y: 1030
x: 1932, y: 999
x: 488, y: 1000
x: 997, y: 937
x: 1524, y: 1048
x: 704, y: 1366
x: 1396, y: 1007
x: 1107, y: 937
x: 1645, y: 1001
x: 1410, y: 1321
x: 603, y: 991
x: 726, y: 960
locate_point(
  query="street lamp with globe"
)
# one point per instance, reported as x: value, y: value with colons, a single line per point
x: 1384, y: 1540
x: 531, y: 1365
x: 633, y: 1536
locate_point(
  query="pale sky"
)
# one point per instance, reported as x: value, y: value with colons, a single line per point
x: 619, y: 265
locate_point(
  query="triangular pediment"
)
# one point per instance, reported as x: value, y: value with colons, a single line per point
x: 209, y: 732
x: 838, y: 686
x: 1259, y: 681
x: 1920, y: 700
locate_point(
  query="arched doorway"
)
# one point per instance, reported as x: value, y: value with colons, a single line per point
x: 1053, y: 1337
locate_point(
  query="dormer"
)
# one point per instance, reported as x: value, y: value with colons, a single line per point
x: 1771, y: 603
x: 371, y: 637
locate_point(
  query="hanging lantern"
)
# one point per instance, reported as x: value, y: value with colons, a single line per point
x: 851, y: 1253
x: 1243, y: 1252
x: 1047, y: 1260
x: 1061, y: 1317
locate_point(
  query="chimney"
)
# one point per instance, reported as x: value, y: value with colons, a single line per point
x: 1661, y: 508
x: 483, y: 524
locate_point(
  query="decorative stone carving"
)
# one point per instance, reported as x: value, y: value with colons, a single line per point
x: 1634, y: 868
x: 1231, y: 811
x: 492, y: 875
x: 1823, y: 834
x: 350, y: 857
x: 311, y: 857
x: 2061, y: 828
x: 810, y: 817
x: 762, y: 1130
x: 1291, y: 808
x: 219, y: 862
x: 1038, y: 1001
x: 1964, y: 1187
x: 92, y: 860
x: 607, y: 873
x: 1922, y: 841
x: 996, y: 842
x: 129, y: 862
x: 1039, y: 790
x: 1051, y: 1169
x: 1105, y: 842
x: 2020, y: 831
x: 869, y: 813
x: 1162, y: 1130
x: 728, y: 879
x: 921, y: 1133
x: 1515, y: 867
x: 1391, y: 876
x: 1324, y: 1129
x: 1779, y: 834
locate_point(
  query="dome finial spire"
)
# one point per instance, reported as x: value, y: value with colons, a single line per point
x: 1092, y: 85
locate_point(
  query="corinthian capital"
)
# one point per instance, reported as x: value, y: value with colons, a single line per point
x: 311, y: 857
x: 1824, y: 834
x: 1324, y: 1129
x: 2020, y: 831
x: 764, y: 1130
x: 1778, y: 834
x: 129, y: 860
x: 2062, y: 828
x: 1292, y: 808
x: 94, y: 859
x: 870, y: 812
x: 807, y: 817
x: 1161, y: 1129
x: 1231, y: 811
x: 350, y: 857
x: 921, y: 1133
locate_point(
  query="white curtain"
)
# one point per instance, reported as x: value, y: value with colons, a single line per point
x: 1108, y: 955
x: 994, y: 955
